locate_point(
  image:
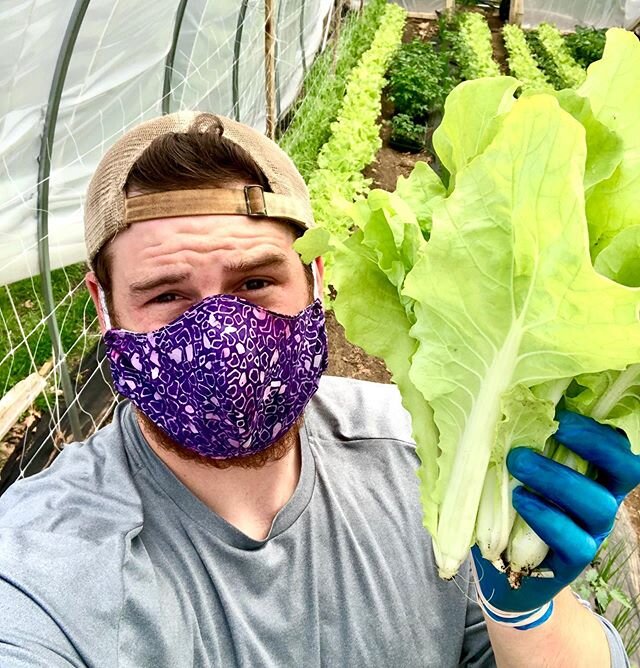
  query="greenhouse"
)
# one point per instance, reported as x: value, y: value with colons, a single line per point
x: 457, y: 395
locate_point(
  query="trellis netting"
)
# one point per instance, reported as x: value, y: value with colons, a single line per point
x: 116, y: 79
x: 566, y: 14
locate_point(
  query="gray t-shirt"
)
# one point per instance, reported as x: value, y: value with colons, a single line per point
x: 107, y: 560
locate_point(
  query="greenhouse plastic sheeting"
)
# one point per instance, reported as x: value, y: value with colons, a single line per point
x: 115, y: 80
x: 566, y: 14
x: 632, y: 14
x: 422, y: 6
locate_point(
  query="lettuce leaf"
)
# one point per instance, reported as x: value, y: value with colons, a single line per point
x: 368, y: 274
x: 604, y: 146
x: 620, y: 260
x: 613, y: 398
x: 503, y: 295
x: 477, y: 107
x: 422, y: 190
x: 613, y: 90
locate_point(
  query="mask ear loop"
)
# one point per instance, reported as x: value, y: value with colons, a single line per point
x: 102, y: 300
x: 317, y: 290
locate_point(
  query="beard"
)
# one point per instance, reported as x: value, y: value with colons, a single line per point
x: 273, y: 453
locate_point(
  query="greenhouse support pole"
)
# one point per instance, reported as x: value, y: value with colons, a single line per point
x: 270, y: 65
x: 276, y: 60
x: 336, y: 36
x: 302, y: 44
x: 235, y: 71
x: 44, y: 171
x: 171, y: 56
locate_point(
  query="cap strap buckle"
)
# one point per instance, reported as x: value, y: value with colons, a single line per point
x: 254, y: 197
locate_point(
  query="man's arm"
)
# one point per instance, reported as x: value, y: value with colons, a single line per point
x: 573, y: 637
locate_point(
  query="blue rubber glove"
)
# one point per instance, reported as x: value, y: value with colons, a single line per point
x: 573, y: 514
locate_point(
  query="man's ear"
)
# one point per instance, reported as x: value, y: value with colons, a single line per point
x: 92, y: 285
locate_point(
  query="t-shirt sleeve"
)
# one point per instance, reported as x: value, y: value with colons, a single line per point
x: 60, y: 599
x: 29, y: 638
x: 619, y: 657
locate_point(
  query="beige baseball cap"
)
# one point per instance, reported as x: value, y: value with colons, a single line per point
x: 108, y: 210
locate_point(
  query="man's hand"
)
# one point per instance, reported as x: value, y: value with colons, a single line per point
x: 573, y: 514
x: 541, y: 623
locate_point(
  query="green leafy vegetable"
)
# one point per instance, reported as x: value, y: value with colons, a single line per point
x: 522, y: 63
x: 604, y: 146
x: 419, y: 79
x: 484, y: 301
x: 406, y: 132
x: 514, y: 310
x: 355, y: 134
x: 490, y: 99
x: 469, y: 35
x: 613, y: 90
x: 554, y: 57
x: 586, y: 44
x: 619, y: 260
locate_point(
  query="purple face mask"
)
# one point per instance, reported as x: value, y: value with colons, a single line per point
x: 227, y: 378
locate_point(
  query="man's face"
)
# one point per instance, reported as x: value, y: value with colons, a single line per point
x: 159, y: 268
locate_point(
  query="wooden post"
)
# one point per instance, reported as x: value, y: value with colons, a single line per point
x: 450, y: 6
x: 516, y: 12
x: 336, y: 34
x: 20, y: 397
x: 270, y: 64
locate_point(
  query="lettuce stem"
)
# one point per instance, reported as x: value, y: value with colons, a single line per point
x: 615, y: 392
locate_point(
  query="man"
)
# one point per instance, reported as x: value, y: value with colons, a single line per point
x: 233, y: 514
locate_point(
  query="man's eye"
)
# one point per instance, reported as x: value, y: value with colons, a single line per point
x: 255, y: 284
x: 165, y: 298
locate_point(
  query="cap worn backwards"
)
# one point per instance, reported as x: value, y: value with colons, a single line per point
x: 108, y: 210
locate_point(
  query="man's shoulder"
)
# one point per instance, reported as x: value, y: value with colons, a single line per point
x: 88, y: 492
x: 350, y: 410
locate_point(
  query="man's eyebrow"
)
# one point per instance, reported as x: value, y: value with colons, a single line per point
x: 165, y: 280
x: 260, y: 262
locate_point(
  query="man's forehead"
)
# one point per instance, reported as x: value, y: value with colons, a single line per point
x: 233, y: 244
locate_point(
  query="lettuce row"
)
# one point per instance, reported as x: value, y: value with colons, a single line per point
x: 483, y: 298
x: 324, y: 88
x: 555, y: 58
x: 355, y: 134
x: 473, y: 48
x: 522, y: 64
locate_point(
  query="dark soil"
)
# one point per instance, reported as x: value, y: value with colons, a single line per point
x: 389, y: 164
x: 426, y: 30
x: 348, y: 360
x: 499, y: 50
